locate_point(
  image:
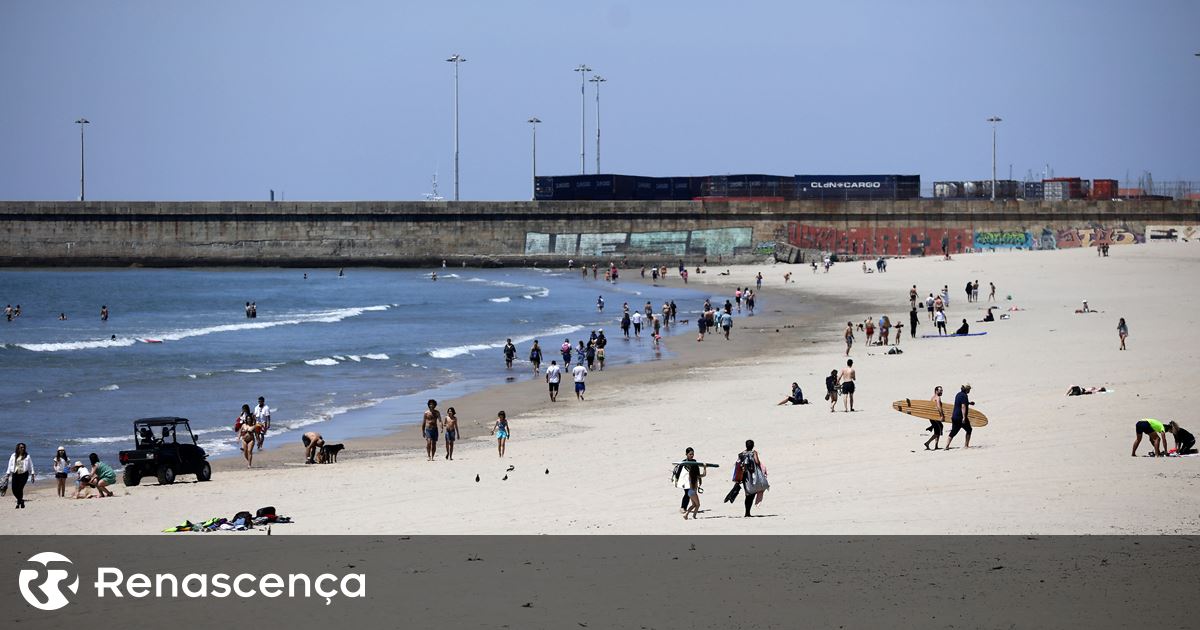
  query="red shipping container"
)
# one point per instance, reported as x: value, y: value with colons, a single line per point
x: 1104, y: 189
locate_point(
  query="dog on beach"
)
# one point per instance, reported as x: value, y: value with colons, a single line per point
x: 329, y: 453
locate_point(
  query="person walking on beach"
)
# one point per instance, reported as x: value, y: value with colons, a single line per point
x: 579, y: 373
x: 945, y: 297
x: 968, y: 291
x: 450, y: 431
x: 849, y: 335
x: 1157, y: 433
x: 429, y: 428
x: 831, y: 389
x: 975, y: 291
x: 553, y: 376
x: 959, y: 418
x: 992, y: 292
x: 754, y: 476
x: 636, y: 318
x: 565, y: 351
x: 912, y: 297
x: 726, y: 323
x: 929, y: 305
x: 501, y: 431
x: 758, y: 282
x: 869, y: 329
x: 695, y: 474
x: 510, y: 353
x: 1122, y: 331
x: 939, y: 320
x: 263, y: 413
x: 246, y: 427
x: 102, y: 475
x: 535, y: 357
x: 936, y: 425
x: 846, y: 379
x: 61, y: 465
x: 625, y: 322
x: 20, y: 471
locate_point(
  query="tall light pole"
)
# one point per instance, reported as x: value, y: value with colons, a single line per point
x: 994, y: 120
x: 597, y: 79
x: 81, y: 122
x: 456, y: 59
x: 533, y: 123
x: 582, y: 69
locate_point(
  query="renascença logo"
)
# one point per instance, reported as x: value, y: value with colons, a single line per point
x: 42, y: 586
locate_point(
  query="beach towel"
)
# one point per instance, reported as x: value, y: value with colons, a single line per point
x: 185, y: 526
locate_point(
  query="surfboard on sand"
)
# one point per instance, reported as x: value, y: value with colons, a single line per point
x: 926, y: 409
x: 978, y: 334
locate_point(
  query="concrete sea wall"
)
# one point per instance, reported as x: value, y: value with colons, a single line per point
x: 114, y: 233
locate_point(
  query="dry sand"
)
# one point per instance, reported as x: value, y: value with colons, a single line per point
x: 1047, y: 464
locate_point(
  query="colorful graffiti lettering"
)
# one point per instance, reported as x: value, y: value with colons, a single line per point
x: 1003, y: 238
x: 1090, y: 237
x: 765, y: 248
x: 714, y: 242
x: 874, y: 241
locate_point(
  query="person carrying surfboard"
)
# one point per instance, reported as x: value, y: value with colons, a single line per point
x: 691, y: 475
x: 958, y: 418
x: 936, y: 425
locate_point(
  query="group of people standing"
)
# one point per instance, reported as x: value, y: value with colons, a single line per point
x: 13, y: 312
x: 20, y: 472
x: 251, y: 427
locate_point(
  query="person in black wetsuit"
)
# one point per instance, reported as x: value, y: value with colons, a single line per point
x: 912, y: 323
x: 1185, y: 442
x: 964, y: 329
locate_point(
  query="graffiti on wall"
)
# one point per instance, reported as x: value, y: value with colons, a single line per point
x: 1003, y: 239
x: 1172, y: 232
x: 764, y: 248
x: 873, y: 241
x: 1092, y: 236
x: 714, y: 242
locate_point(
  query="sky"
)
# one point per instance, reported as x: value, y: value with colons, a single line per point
x: 353, y: 100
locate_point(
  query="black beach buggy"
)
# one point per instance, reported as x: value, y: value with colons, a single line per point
x: 164, y: 448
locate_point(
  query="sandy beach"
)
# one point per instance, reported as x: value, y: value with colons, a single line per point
x: 1046, y: 463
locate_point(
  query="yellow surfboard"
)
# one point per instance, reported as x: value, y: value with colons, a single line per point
x: 923, y: 408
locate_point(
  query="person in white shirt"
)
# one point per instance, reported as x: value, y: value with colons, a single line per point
x: 636, y: 318
x: 263, y: 413
x: 20, y: 472
x: 580, y: 373
x: 553, y: 376
x: 61, y: 466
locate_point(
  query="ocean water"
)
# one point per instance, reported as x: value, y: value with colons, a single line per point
x: 320, y: 350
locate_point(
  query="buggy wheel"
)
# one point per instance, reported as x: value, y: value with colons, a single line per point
x: 166, y: 475
x: 132, y: 476
x: 205, y: 472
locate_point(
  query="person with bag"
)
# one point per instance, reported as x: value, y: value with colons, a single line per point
x: 754, y: 476
x: 20, y: 471
x: 694, y: 478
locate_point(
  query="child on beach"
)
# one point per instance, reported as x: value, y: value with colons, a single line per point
x: 1185, y: 442
x: 450, y: 431
x: 61, y: 465
x: 831, y: 389
x: 500, y: 430
x: 1122, y: 331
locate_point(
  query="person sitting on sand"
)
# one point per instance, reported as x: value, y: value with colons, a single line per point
x: 796, y: 397
x: 1080, y: 391
x: 1157, y: 433
x: 989, y: 317
x: 312, y: 446
x: 965, y: 329
x: 1185, y: 443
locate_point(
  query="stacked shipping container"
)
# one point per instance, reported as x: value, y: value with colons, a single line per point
x: 753, y: 186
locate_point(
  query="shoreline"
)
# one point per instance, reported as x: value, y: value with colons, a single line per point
x: 1046, y: 464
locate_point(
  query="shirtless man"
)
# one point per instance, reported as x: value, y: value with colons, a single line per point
x: 312, y: 446
x: 846, y: 378
x: 429, y: 428
x: 936, y: 425
x: 849, y: 335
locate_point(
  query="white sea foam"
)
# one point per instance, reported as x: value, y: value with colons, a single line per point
x: 527, y: 297
x: 322, y: 361
x: 249, y: 371
x: 378, y: 356
x: 109, y: 388
x: 355, y: 358
x: 500, y: 300
x: 454, y: 351
x: 318, y: 317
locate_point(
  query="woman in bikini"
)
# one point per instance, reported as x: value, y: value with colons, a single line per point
x: 246, y: 427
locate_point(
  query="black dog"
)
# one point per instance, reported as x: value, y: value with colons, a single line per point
x: 329, y: 453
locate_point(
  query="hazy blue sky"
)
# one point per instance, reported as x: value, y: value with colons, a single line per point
x: 353, y: 99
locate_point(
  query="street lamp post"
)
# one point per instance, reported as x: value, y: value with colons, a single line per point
x: 533, y: 123
x: 456, y: 59
x: 994, y: 120
x: 597, y: 79
x: 582, y: 69
x: 81, y: 122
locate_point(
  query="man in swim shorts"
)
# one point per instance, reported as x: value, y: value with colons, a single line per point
x: 580, y: 374
x: 429, y: 428
x: 936, y: 425
x: 553, y: 376
x: 846, y: 378
x: 312, y: 445
x: 1157, y: 433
